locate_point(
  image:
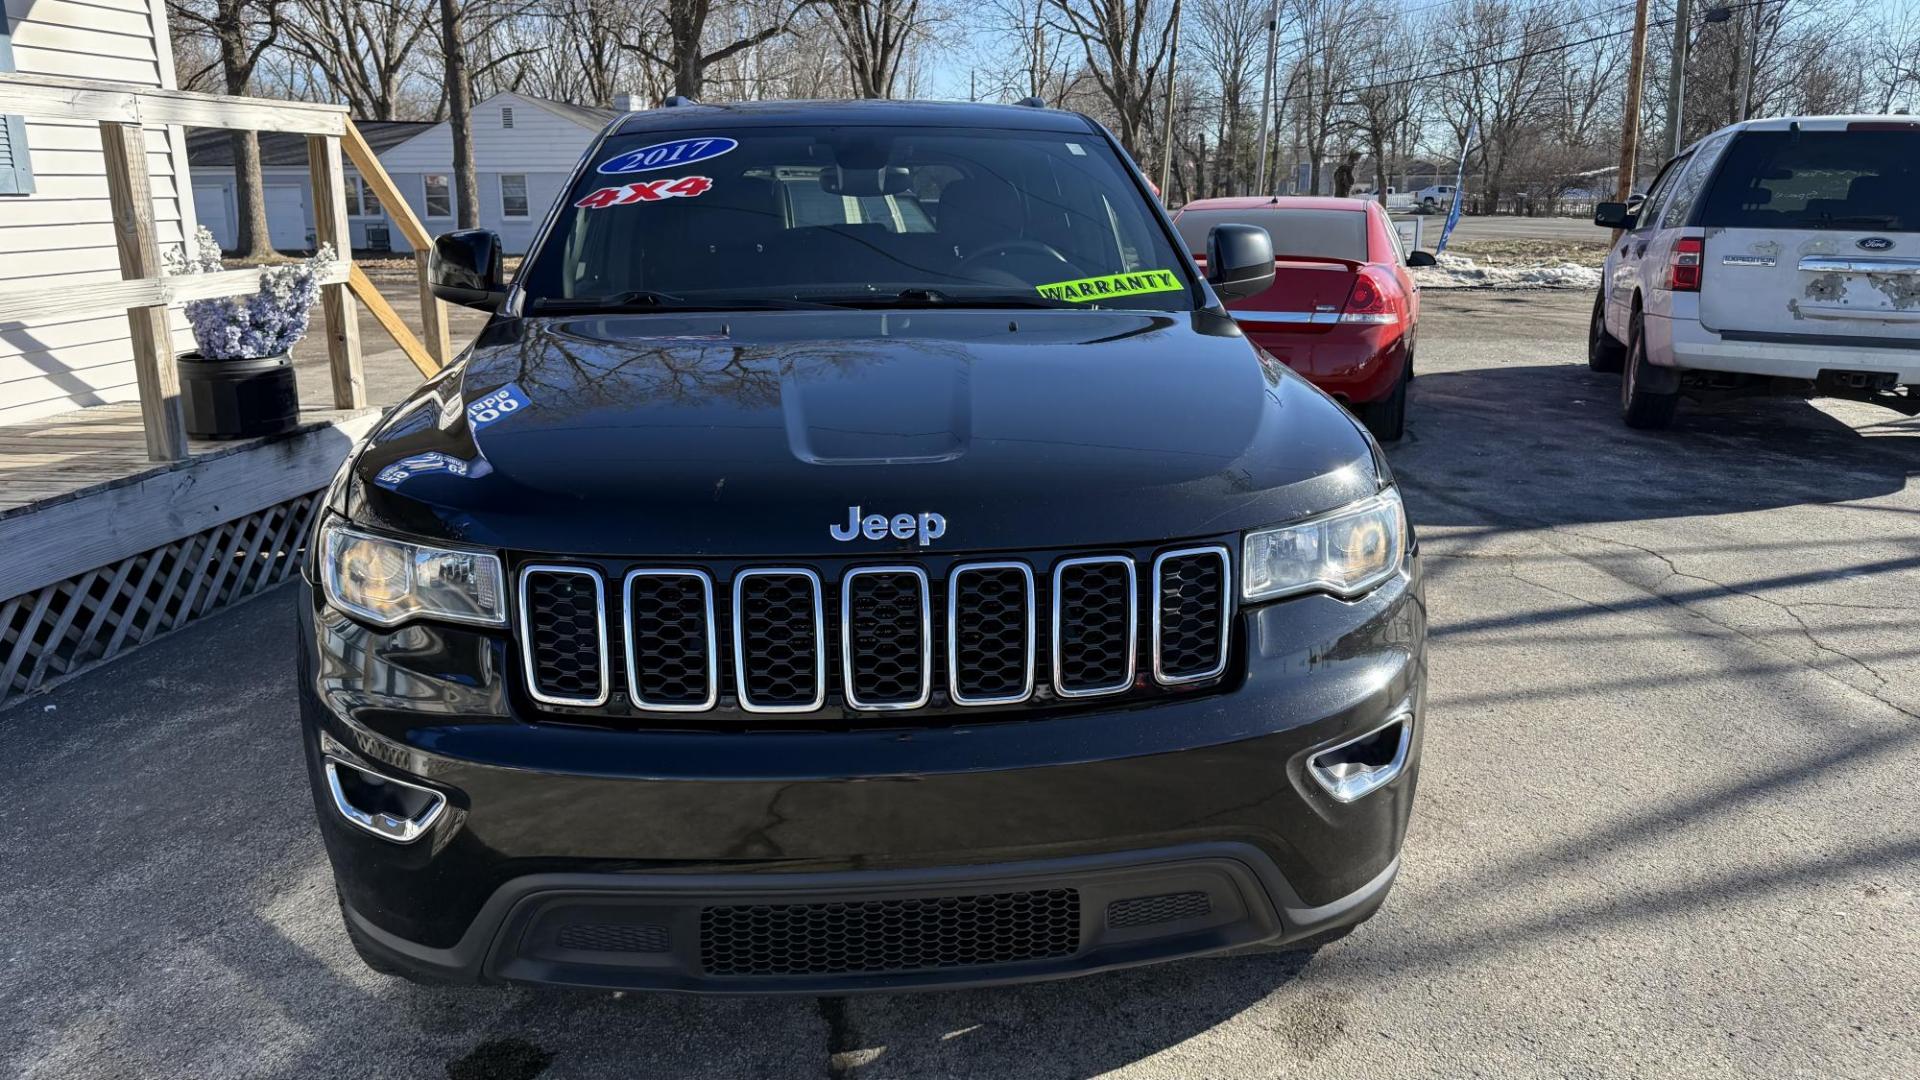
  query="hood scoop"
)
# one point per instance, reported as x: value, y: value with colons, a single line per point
x: 914, y: 407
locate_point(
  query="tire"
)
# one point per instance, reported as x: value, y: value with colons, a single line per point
x: 1429, y: 206
x: 1387, y: 418
x: 1639, y: 407
x: 1604, y: 351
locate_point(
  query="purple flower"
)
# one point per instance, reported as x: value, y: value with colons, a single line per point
x: 266, y: 323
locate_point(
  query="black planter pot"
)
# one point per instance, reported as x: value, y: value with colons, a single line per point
x: 239, y: 399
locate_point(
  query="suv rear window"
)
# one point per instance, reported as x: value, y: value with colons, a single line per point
x: 1303, y: 234
x: 1818, y: 180
x: 759, y: 216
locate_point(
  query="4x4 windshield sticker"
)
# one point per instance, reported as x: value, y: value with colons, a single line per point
x: 666, y: 155
x: 687, y: 187
x: 1084, y: 290
x: 497, y: 406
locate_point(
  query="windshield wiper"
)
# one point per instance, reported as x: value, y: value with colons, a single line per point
x: 934, y: 298
x: 649, y: 300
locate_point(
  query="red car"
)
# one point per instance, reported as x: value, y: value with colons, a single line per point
x: 1342, y: 309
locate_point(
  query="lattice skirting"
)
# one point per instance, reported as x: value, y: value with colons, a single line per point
x: 71, y: 625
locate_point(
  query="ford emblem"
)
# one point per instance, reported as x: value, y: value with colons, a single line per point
x: 1875, y: 243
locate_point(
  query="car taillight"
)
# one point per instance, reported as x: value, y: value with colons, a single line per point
x: 1371, y: 301
x: 1683, y: 273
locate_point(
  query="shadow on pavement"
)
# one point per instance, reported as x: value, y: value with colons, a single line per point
x: 1543, y: 445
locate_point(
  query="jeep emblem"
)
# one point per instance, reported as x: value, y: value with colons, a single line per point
x: 1874, y: 243
x: 928, y: 527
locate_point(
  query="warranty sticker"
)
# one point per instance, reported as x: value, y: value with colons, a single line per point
x: 1084, y: 290
x: 496, y: 406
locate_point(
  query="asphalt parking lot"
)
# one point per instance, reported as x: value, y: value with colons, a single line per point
x: 1668, y: 823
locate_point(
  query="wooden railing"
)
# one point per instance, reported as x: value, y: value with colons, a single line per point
x: 145, y: 292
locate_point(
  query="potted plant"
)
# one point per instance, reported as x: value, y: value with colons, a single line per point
x: 240, y: 383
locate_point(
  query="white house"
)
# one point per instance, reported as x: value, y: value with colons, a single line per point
x: 289, y: 187
x: 524, y: 149
x: 56, y: 226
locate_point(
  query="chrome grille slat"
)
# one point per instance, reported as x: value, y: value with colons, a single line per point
x: 866, y: 648
x: 660, y: 646
x: 1192, y: 614
x: 1099, y: 641
x: 750, y: 664
x: 547, y: 646
x: 969, y: 630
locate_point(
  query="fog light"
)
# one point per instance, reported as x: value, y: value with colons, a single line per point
x: 388, y: 808
x: 1359, y: 766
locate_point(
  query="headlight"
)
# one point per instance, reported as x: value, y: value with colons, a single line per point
x: 389, y: 581
x: 1345, y: 553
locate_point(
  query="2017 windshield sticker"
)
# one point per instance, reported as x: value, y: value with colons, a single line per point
x: 1084, y: 290
x: 665, y: 155
x: 687, y: 187
x: 496, y: 406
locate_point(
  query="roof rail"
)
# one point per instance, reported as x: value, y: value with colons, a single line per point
x: 677, y: 101
x: 1032, y: 102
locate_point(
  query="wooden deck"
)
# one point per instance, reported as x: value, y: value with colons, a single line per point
x: 52, y: 459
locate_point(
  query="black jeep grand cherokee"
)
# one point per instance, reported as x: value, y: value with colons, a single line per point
x: 859, y: 553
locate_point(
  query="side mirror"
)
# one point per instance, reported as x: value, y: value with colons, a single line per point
x: 1614, y: 215
x: 1239, y: 260
x: 465, y: 268
x: 1421, y: 258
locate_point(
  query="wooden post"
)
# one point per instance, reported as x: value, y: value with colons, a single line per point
x: 336, y: 301
x: 131, y: 192
x: 433, y: 313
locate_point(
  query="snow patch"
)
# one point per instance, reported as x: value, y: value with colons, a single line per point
x: 1460, y: 272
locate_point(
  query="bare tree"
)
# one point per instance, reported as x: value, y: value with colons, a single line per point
x: 364, y: 50
x: 874, y: 35
x: 1321, y: 77
x: 1499, y: 59
x: 1024, y: 55
x: 685, y: 52
x: 1231, y: 39
x: 1383, y: 110
x: 241, y: 31
x: 1125, y: 43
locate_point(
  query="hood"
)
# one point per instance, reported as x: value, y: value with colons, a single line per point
x: 754, y: 434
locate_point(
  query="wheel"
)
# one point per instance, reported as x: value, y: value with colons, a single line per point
x: 1604, y: 351
x: 1387, y: 418
x: 1430, y: 206
x: 1641, y: 407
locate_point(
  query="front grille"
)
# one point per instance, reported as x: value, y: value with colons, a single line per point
x: 673, y: 663
x: 866, y: 936
x: 779, y: 641
x: 886, y: 638
x: 789, y: 639
x: 990, y: 633
x: 1190, y: 614
x: 1150, y: 910
x: 1094, y: 626
x: 613, y: 937
x: 563, y: 619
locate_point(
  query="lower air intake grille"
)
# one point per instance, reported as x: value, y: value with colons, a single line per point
x: 780, y: 665
x: 886, y: 638
x: 1190, y: 614
x: 1093, y: 626
x: 563, y: 614
x: 889, y: 935
x: 1148, y: 910
x: 613, y: 937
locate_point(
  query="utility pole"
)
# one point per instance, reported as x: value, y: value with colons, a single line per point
x: 1166, y: 138
x: 1743, y: 101
x: 1677, y: 78
x: 1630, y: 132
x: 1266, y: 96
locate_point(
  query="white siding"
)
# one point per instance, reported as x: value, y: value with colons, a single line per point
x: 62, y: 234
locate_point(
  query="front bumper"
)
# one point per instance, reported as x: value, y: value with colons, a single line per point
x: 548, y: 824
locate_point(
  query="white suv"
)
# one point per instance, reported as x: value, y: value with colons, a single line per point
x: 1773, y: 255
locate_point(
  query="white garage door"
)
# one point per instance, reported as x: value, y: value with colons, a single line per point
x: 213, y: 205
x: 288, y: 221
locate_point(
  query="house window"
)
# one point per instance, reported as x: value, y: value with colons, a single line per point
x: 439, y: 195
x: 506, y: 117
x: 353, y: 196
x: 513, y: 195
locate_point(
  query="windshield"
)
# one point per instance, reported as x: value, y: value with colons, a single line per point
x: 1301, y: 234
x: 872, y: 216
x: 1818, y: 180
